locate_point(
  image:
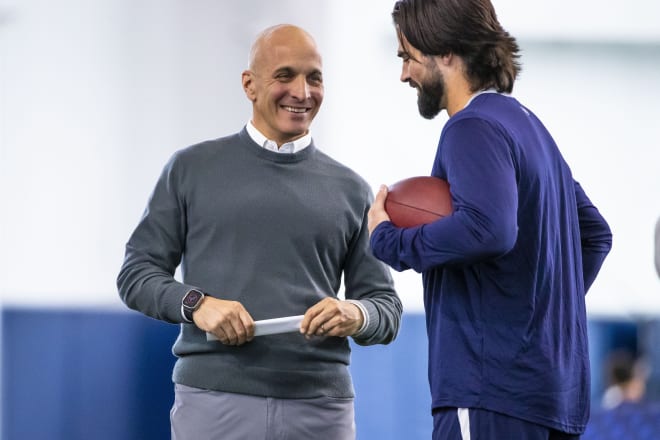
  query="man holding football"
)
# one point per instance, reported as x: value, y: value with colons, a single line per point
x: 506, y: 274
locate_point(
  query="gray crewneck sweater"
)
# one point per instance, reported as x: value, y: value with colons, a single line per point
x: 275, y: 232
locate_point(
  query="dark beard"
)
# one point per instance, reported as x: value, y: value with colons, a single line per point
x: 430, y: 96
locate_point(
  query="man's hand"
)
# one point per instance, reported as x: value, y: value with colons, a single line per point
x: 377, y: 213
x: 332, y: 317
x: 227, y: 320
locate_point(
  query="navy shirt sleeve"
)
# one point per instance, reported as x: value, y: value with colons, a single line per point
x: 595, y: 236
x: 476, y: 156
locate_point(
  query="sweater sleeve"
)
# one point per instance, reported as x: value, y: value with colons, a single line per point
x: 146, y: 280
x: 369, y: 281
x: 479, y: 167
x: 595, y: 236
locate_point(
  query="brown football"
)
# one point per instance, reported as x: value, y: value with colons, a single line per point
x: 418, y: 200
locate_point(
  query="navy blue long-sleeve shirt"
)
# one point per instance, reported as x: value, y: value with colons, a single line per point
x: 506, y: 274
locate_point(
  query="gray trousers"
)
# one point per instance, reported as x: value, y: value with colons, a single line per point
x: 212, y: 415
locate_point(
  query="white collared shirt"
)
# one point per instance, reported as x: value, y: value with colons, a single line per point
x: 289, y: 147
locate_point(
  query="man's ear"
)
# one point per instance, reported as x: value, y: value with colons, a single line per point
x: 446, y: 59
x: 247, y: 78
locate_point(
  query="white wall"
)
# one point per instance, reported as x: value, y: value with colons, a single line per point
x: 95, y: 96
x: 587, y: 20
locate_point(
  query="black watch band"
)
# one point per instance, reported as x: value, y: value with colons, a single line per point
x: 191, y: 302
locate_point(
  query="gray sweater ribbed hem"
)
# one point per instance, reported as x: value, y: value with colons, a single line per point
x: 201, y: 371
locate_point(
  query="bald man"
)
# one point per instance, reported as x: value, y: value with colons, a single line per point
x: 264, y: 226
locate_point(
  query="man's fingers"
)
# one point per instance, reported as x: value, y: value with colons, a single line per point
x: 240, y: 328
x: 221, y: 335
x: 247, y: 327
x: 332, y: 317
x: 377, y: 213
x: 315, y: 321
x: 381, y: 195
x: 312, y: 321
x: 229, y: 321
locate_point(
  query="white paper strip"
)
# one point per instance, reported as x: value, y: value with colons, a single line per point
x: 271, y: 326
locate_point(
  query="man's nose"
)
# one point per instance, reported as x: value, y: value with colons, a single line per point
x: 300, y: 88
x: 405, y: 75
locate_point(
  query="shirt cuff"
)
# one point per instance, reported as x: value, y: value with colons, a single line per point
x: 365, y: 316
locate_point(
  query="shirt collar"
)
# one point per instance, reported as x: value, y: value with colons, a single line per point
x: 481, y: 92
x: 289, y: 147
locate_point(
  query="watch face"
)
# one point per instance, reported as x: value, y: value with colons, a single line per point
x: 192, y: 298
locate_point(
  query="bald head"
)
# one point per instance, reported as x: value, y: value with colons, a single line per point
x: 284, y: 82
x: 277, y: 36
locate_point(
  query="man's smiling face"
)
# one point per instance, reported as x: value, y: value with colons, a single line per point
x: 421, y: 72
x: 285, y: 84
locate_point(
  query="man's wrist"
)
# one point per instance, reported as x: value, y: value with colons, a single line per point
x: 191, y: 302
x: 365, y: 316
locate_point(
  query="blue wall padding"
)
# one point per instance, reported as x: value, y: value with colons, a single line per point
x: 391, y: 381
x: 81, y: 374
x: 70, y: 374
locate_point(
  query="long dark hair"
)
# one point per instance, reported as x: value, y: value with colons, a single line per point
x: 467, y: 28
